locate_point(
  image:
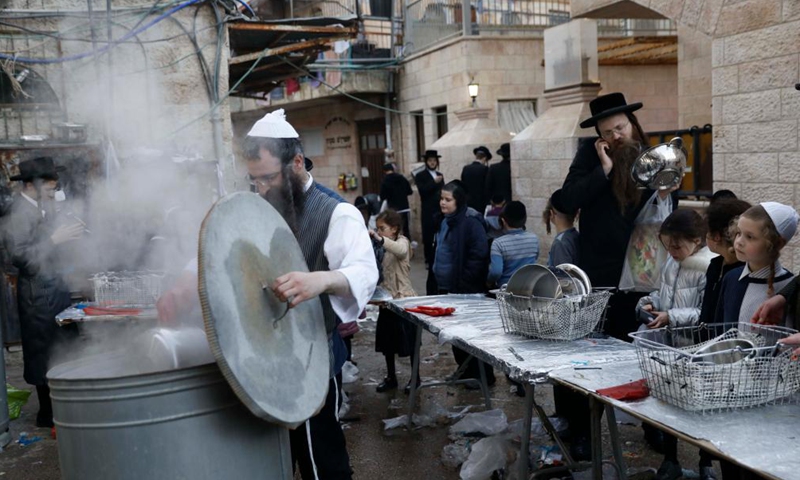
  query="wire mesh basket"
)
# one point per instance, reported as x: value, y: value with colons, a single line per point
x: 682, y: 366
x: 141, y: 288
x: 564, y: 319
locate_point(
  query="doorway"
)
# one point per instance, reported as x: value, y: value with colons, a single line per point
x: 372, y: 149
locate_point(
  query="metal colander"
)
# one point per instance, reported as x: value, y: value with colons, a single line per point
x: 564, y: 319
x: 140, y: 288
x: 683, y: 368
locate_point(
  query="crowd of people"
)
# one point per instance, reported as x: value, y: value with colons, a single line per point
x: 666, y: 266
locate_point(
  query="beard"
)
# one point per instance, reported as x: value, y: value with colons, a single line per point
x: 623, y: 154
x: 289, y: 199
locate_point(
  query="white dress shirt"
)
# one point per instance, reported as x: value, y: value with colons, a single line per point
x: 348, y: 250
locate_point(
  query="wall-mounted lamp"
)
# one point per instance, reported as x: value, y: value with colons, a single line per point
x: 473, y: 91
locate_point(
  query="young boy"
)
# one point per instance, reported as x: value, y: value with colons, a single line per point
x: 515, y: 248
x: 492, y: 215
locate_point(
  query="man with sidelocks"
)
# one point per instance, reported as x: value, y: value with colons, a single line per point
x: 342, y: 272
x: 599, y: 184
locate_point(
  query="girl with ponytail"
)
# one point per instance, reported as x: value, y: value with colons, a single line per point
x: 761, y: 232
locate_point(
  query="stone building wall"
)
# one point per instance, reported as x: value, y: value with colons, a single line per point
x: 656, y: 86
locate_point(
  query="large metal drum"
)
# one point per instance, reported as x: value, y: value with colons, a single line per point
x: 114, y: 422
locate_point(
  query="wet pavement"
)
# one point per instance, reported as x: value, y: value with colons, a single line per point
x: 375, y: 453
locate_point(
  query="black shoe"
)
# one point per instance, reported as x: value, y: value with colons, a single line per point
x: 669, y: 470
x: 581, y: 449
x: 44, y: 421
x: 707, y: 473
x: 654, y: 437
x: 407, y: 389
x: 388, y: 383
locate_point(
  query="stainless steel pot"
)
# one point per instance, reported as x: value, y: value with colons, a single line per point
x: 661, y: 167
x: 70, y: 132
x: 725, y: 351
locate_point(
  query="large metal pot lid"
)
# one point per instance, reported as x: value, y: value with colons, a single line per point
x: 277, y: 365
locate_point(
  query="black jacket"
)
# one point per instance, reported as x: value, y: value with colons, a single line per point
x: 498, y: 180
x: 429, y: 193
x: 605, y: 230
x: 716, y: 270
x: 395, y: 189
x: 41, y: 293
x: 473, y: 176
x: 467, y: 237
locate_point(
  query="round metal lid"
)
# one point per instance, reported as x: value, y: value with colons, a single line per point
x: 277, y: 364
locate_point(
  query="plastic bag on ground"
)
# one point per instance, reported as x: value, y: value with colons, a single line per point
x: 417, y: 420
x: 488, y: 423
x: 349, y: 372
x: 487, y: 455
x: 453, y: 455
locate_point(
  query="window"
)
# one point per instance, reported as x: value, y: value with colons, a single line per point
x: 514, y: 116
x: 419, y: 129
x: 441, y: 121
x: 313, y: 141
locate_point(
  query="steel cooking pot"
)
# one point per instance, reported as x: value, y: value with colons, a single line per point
x: 661, y: 167
x: 725, y: 351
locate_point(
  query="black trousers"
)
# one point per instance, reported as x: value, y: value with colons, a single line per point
x: 473, y: 368
x: 327, y: 442
x: 406, y: 228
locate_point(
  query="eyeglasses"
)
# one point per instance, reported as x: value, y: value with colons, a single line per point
x: 619, y: 129
x: 263, y: 180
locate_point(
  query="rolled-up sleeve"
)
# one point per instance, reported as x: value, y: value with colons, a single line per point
x: 349, y: 251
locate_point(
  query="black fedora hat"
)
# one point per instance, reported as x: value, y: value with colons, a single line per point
x: 308, y: 164
x: 504, y: 150
x: 431, y: 154
x: 40, y: 167
x: 605, y: 106
x: 483, y: 150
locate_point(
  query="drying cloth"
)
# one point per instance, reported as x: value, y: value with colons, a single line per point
x: 629, y: 391
x: 432, y: 311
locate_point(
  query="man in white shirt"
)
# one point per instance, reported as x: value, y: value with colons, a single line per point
x: 342, y: 272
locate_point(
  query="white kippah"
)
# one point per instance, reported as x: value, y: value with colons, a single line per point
x: 273, y: 125
x: 784, y: 217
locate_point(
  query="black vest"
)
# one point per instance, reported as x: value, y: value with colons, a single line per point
x: 312, y: 230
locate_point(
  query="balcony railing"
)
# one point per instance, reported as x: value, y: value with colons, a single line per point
x: 432, y: 21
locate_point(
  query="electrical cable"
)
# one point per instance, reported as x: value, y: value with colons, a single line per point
x: 107, y: 47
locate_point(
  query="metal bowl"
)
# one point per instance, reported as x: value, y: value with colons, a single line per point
x: 534, y: 281
x: 585, y: 285
x: 661, y: 167
x: 725, y: 351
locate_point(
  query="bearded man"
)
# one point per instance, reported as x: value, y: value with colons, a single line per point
x: 599, y: 184
x: 342, y: 273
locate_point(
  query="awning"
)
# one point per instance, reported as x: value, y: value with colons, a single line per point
x: 639, y: 51
x: 298, y: 40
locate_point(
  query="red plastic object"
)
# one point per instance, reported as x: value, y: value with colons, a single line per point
x: 432, y: 311
x: 629, y: 391
x: 111, y: 311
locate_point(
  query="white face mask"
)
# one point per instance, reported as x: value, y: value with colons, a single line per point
x: 60, y: 196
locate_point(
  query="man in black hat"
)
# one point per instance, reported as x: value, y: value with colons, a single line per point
x: 429, y: 183
x: 31, y: 241
x: 395, y: 190
x: 599, y: 184
x: 498, y: 180
x: 473, y: 176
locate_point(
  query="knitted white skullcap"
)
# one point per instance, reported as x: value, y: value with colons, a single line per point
x: 784, y: 217
x: 273, y: 125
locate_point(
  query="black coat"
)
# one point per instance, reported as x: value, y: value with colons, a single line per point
x: 498, y: 180
x: 395, y: 189
x: 473, y: 176
x: 41, y: 293
x: 467, y: 237
x: 604, y: 229
x: 429, y: 193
